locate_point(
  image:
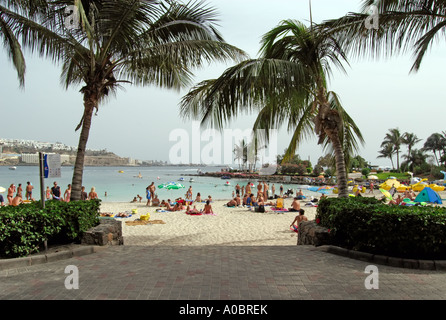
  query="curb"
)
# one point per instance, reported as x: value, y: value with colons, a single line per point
x: 430, y: 265
x: 32, y: 260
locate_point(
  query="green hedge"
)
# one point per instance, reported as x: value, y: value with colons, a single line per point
x: 25, y: 228
x: 366, y: 224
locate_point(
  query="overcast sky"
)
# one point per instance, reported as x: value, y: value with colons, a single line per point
x: 379, y: 95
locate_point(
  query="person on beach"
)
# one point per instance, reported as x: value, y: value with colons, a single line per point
x: 259, y: 189
x: 298, y: 219
x: 148, y: 196
x: 48, y: 193
x: 55, y: 191
x: 11, y: 192
x: 189, y: 193
x: 232, y: 203
x: 243, y: 191
x: 248, y: 188
x: 299, y: 194
x: 17, y: 200
x: 295, y: 206
x: 92, y: 195
x: 155, y: 201
x: 84, y: 195
x: 67, y: 194
x: 237, y: 189
x: 20, y: 190
x: 281, y: 191
x: 238, y: 200
x: 29, y: 191
x: 2, y: 201
x: 209, y: 199
x: 273, y: 191
x: 208, y: 208
x: 198, y: 198
x: 371, y: 186
x: 245, y: 199
x: 265, y: 190
x: 152, y: 190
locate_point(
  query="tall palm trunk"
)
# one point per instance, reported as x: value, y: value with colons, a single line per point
x: 90, y: 103
x: 327, y: 123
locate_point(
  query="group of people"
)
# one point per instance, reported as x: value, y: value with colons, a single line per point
x: 55, y: 193
x: 15, y: 194
x: 262, y: 189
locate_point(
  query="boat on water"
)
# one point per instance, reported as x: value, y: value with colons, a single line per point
x: 226, y: 177
x: 181, y: 179
x: 191, y: 180
x: 227, y: 183
x: 12, y: 168
x: 120, y: 171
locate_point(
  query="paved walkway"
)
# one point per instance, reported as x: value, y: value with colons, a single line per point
x: 218, y: 273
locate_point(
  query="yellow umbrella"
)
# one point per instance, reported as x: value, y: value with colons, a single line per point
x: 386, y: 194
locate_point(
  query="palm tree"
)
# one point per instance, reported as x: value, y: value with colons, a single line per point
x: 288, y: 83
x: 143, y: 42
x: 435, y: 142
x: 403, y: 26
x: 410, y: 140
x: 416, y: 158
x: 18, y: 14
x: 387, y: 151
x: 395, y: 139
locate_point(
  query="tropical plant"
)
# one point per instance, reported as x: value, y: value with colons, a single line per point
x: 435, y: 143
x: 403, y: 26
x: 410, y: 140
x: 143, y: 42
x: 286, y: 84
x: 394, y: 139
x: 18, y: 15
x: 387, y: 151
x: 415, y: 159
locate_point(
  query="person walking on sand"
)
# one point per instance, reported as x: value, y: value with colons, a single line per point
x: 273, y: 190
x: 152, y: 190
x: 300, y: 217
x: 55, y: 191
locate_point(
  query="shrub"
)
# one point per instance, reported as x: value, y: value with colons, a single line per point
x: 368, y: 225
x: 27, y: 226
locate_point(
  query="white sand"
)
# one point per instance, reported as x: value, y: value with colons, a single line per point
x: 229, y: 226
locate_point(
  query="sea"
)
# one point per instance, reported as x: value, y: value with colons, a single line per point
x: 123, y: 184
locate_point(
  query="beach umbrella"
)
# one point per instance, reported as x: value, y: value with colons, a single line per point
x: 2, y: 189
x: 372, y: 177
x: 386, y: 193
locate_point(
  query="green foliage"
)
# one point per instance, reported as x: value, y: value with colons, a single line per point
x: 27, y: 226
x: 368, y: 225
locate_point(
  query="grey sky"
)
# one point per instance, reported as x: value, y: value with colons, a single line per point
x: 379, y: 95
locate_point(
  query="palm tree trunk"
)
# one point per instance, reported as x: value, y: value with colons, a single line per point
x: 90, y: 103
x: 340, y: 166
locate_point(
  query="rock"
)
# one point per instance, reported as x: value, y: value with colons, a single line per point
x: 312, y: 234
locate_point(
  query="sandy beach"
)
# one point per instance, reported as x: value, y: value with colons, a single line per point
x: 228, y: 226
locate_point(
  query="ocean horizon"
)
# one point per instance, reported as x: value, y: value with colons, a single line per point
x: 122, y: 184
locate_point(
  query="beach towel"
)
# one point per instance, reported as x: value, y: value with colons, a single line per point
x: 294, y: 228
x: 161, y: 210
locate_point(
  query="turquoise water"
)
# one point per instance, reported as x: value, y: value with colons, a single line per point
x: 123, y: 187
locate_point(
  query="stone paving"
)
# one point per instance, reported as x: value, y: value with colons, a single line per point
x: 219, y: 273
